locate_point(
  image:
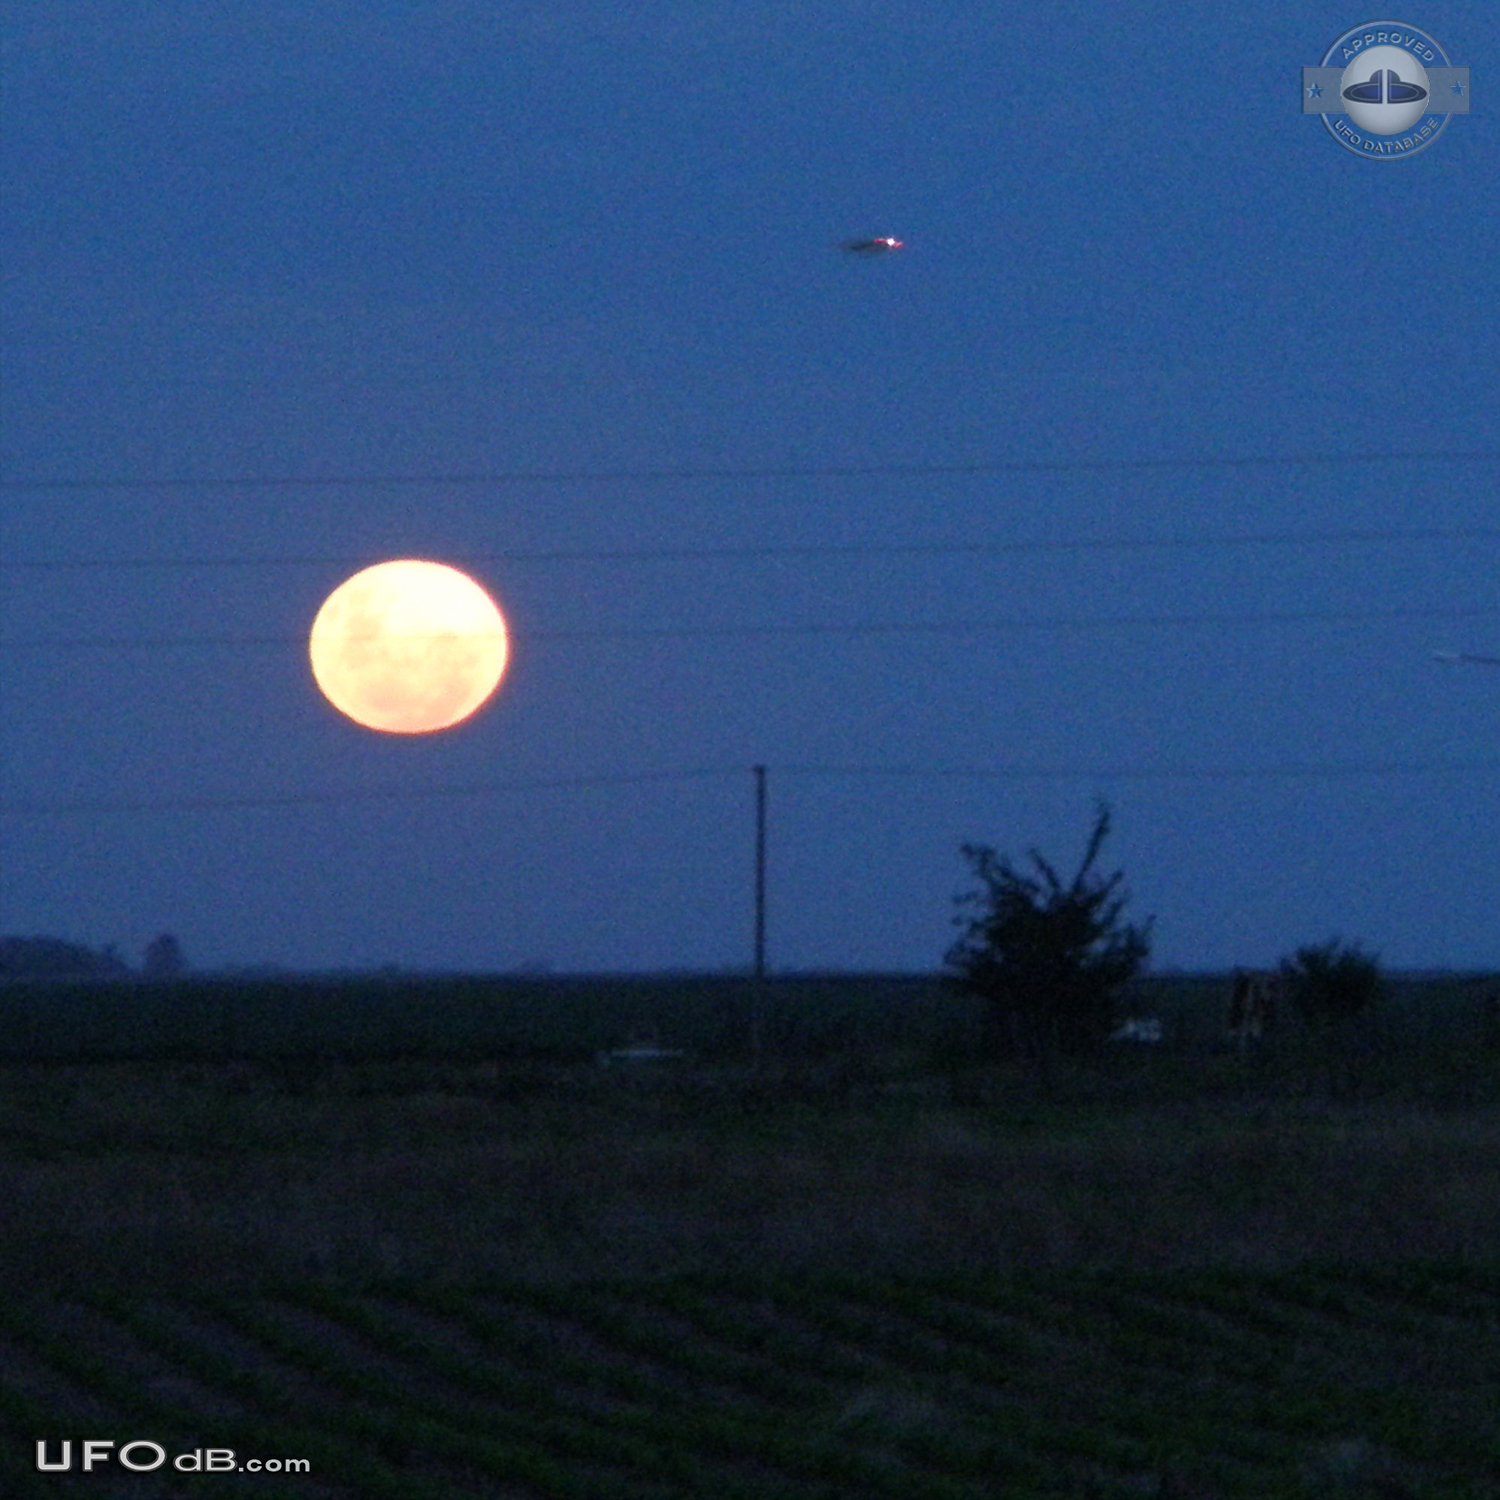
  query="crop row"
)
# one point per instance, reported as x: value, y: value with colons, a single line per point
x: 934, y: 1388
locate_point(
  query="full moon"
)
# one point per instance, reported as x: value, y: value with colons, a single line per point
x: 408, y: 647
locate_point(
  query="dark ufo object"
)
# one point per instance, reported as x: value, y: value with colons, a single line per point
x: 882, y: 245
x: 1385, y: 87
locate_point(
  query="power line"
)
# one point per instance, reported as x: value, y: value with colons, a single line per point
x: 784, y: 471
x: 1341, y: 537
x: 886, y: 627
x: 376, y: 794
x: 1282, y: 771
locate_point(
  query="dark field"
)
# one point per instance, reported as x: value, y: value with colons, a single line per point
x: 437, y: 1249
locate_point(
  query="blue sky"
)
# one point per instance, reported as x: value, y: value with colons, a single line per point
x: 382, y: 252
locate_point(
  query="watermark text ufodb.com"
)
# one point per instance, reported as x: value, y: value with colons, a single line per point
x: 141, y: 1456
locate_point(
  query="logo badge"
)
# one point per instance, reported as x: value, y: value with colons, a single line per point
x: 1385, y: 90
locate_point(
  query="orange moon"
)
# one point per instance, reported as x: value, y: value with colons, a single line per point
x: 408, y: 647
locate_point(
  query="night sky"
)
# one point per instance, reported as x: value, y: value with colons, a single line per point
x: 1177, y: 425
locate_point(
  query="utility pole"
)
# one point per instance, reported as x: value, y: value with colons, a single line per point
x: 760, y: 872
x: 758, y: 998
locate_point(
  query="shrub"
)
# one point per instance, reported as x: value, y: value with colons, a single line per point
x: 1047, y: 958
x: 1331, y: 984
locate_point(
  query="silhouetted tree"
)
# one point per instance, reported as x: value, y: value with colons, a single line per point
x: 1333, y: 983
x: 1332, y: 988
x: 163, y: 957
x: 1047, y: 958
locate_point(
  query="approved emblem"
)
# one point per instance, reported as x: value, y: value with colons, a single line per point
x: 1385, y: 89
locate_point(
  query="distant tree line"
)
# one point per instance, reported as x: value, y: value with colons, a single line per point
x: 56, y: 958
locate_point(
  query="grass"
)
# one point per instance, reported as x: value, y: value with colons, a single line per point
x: 163, y: 1171
x: 858, y: 1271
